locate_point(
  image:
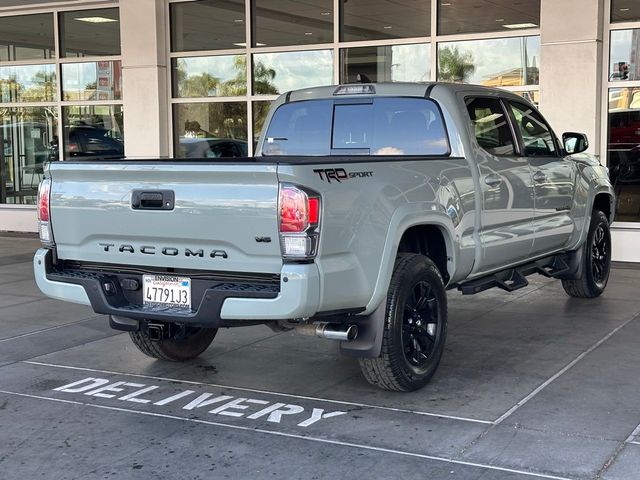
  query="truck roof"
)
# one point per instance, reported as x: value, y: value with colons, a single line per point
x: 387, y: 89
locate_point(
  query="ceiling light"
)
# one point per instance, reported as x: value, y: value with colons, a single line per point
x: 445, y: 4
x: 325, y: 13
x: 499, y: 19
x: 387, y: 27
x: 513, y: 26
x: 238, y: 20
x: 96, y: 19
x: 308, y: 33
x: 243, y: 44
x: 624, y: 9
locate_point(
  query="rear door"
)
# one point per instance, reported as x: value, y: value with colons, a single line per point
x: 506, y: 184
x: 553, y: 177
x: 188, y: 215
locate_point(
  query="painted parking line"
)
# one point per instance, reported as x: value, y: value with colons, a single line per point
x: 267, y: 392
x: 47, y: 329
x: 290, y: 435
x: 561, y: 372
x: 632, y: 437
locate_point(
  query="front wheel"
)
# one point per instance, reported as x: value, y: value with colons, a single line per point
x: 415, y: 327
x: 186, y: 345
x: 596, y: 260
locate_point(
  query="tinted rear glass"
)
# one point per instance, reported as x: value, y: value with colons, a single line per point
x: 381, y: 126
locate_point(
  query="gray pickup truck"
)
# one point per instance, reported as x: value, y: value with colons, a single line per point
x: 363, y: 205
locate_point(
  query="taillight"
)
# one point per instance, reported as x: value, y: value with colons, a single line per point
x: 299, y: 210
x: 44, y: 227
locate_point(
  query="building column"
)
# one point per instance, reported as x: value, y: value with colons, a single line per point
x: 571, y: 66
x: 144, y: 78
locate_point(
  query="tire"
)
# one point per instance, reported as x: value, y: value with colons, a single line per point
x: 415, y: 327
x: 596, y: 260
x: 194, y: 342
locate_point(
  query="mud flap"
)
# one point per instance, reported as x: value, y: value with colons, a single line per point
x: 368, y: 343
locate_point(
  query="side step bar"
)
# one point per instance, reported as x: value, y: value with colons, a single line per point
x: 514, y: 278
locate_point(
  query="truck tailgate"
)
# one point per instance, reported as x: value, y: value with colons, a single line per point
x: 224, y: 216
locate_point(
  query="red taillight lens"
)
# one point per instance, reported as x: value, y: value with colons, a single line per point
x: 294, y: 217
x: 314, y: 210
x: 299, y: 221
x: 43, y: 200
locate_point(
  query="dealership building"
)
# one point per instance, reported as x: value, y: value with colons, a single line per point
x: 149, y: 78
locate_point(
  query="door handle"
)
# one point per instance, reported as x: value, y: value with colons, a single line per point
x: 152, y: 199
x: 493, y: 180
x: 539, y: 177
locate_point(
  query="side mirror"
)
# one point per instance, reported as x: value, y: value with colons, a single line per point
x: 575, y: 142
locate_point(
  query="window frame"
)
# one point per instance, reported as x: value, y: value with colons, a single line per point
x: 517, y: 145
x: 559, y: 153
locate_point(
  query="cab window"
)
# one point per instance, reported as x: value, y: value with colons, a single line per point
x: 490, y: 126
x: 536, y: 134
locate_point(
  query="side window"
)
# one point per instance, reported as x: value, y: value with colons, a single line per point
x: 490, y: 126
x: 536, y: 135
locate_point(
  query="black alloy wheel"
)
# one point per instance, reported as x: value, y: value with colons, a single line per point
x: 420, y: 326
x: 415, y: 327
x: 595, y: 260
x: 600, y: 252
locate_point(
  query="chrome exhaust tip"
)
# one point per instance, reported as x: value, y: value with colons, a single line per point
x: 330, y: 331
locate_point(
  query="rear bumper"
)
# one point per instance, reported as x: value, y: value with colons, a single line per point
x: 220, y: 303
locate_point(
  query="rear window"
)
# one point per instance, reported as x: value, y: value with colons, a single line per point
x: 378, y: 126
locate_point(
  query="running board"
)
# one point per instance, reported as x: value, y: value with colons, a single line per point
x: 514, y: 278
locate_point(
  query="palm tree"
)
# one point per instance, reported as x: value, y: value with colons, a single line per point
x: 454, y: 66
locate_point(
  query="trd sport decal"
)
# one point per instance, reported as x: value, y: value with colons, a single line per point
x: 339, y: 174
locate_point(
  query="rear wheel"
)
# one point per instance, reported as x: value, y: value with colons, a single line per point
x: 415, y: 327
x: 188, y: 343
x: 596, y: 260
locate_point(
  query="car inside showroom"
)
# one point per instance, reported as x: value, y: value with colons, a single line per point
x: 424, y: 215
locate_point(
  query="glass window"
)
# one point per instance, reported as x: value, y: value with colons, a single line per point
x: 383, y: 126
x: 207, y: 25
x: 382, y: 19
x: 221, y: 76
x: 499, y: 62
x: 491, y: 126
x: 625, y: 55
x: 210, y: 130
x: 90, y: 32
x: 300, y: 128
x: 275, y: 73
x: 292, y: 22
x: 260, y: 111
x: 625, y: 10
x: 28, y: 138
x: 532, y: 96
x: 476, y: 16
x: 92, y: 81
x: 26, y: 37
x: 392, y: 63
x: 93, y: 131
x: 624, y: 151
x: 28, y: 83
x: 536, y: 135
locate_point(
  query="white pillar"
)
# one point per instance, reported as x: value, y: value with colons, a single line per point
x: 144, y: 78
x: 571, y: 66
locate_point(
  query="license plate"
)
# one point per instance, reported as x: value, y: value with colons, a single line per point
x: 167, y: 290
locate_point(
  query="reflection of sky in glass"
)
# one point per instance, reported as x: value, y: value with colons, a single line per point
x: 497, y: 56
x: 79, y: 81
x: 622, y: 46
x: 410, y: 63
x: 32, y: 83
x: 224, y: 68
x: 296, y: 70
